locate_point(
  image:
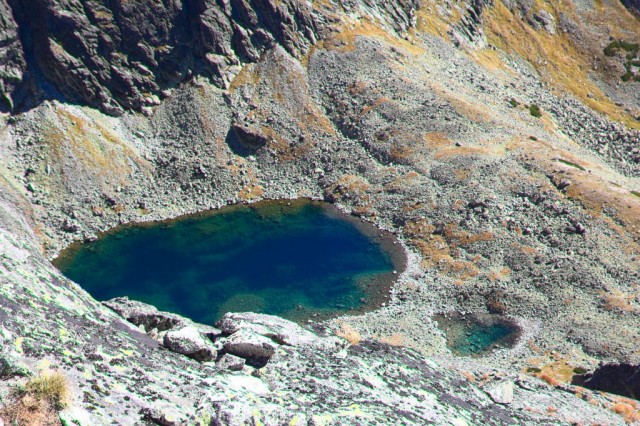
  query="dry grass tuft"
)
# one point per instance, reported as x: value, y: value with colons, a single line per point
x: 349, y: 333
x: 549, y: 379
x: 38, y: 401
x: 51, y: 386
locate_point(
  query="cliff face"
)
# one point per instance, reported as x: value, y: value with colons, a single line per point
x: 494, y: 138
x: 121, y: 55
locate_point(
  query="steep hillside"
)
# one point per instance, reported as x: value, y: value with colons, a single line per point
x: 497, y: 140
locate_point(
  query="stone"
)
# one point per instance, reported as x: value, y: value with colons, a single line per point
x: 231, y: 362
x: 190, y: 342
x: 277, y: 329
x: 253, y: 347
x: 148, y: 316
x: 500, y: 391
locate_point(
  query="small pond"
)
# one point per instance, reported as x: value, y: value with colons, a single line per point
x: 477, y: 334
x: 295, y: 258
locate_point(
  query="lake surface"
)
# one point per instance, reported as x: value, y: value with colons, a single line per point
x: 297, y: 259
x: 477, y: 334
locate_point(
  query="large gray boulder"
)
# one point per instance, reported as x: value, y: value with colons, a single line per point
x: 253, y: 347
x: 190, y: 342
x: 278, y: 330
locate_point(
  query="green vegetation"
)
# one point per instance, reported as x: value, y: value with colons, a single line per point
x: 580, y: 370
x: 632, y: 59
x: 535, y: 110
x: 513, y: 103
x: 533, y: 370
x: 636, y: 193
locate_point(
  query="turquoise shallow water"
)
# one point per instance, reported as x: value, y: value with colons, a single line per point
x: 292, y: 260
x: 477, y: 335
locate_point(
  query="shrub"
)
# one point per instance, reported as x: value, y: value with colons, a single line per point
x: 513, y: 103
x: 626, y: 76
x: 580, y: 370
x: 535, y: 110
x: 610, y: 50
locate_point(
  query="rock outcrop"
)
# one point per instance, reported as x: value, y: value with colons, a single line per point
x: 14, y: 76
x: 129, y: 55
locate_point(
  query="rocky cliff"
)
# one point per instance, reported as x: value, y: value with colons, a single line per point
x: 495, y: 139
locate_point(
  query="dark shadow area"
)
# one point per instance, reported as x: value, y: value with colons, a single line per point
x: 620, y: 379
x: 242, y: 143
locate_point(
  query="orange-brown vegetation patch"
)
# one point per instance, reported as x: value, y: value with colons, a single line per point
x: 627, y: 408
x: 401, y: 182
x: 432, y: 20
x: 248, y: 75
x: 251, y: 192
x: 589, y: 188
x: 499, y: 274
x: 554, y: 368
x: 436, y: 140
x: 350, y: 334
x: 371, y: 107
x: 441, y: 250
x: 616, y: 300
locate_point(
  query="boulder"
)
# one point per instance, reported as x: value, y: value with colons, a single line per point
x: 150, y: 318
x: 500, y: 391
x: 253, y: 347
x: 231, y: 362
x: 278, y: 330
x: 190, y: 342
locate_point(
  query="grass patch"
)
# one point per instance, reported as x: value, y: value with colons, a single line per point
x: 38, y: 401
x: 535, y: 110
x: 569, y: 163
x: 636, y: 193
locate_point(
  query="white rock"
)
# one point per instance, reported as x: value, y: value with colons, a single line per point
x: 249, y: 345
x: 278, y: 329
x: 188, y: 341
x: 501, y: 392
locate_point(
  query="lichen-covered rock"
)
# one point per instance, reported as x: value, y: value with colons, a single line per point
x: 277, y: 329
x: 189, y: 341
x: 231, y: 362
x: 151, y: 319
x: 500, y: 391
x: 253, y: 347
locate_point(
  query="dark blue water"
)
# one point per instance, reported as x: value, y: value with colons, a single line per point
x: 292, y: 260
x: 476, y: 335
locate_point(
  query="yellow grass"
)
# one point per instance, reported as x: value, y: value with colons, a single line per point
x: 555, y: 57
x: 349, y: 333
